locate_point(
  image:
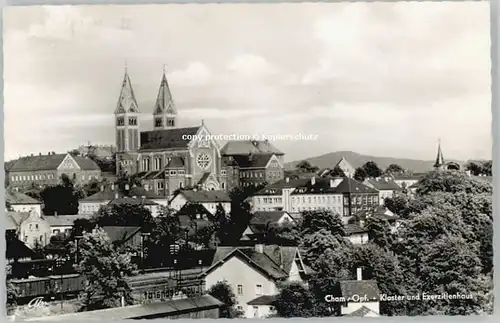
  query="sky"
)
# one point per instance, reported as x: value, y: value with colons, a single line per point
x: 381, y: 79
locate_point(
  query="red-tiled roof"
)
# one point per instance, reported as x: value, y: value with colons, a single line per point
x: 245, y: 147
x: 177, y: 138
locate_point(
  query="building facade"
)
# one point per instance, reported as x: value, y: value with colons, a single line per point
x: 20, y: 202
x: 46, y: 170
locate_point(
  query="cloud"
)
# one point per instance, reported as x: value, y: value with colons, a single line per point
x: 251, y: 65
x: 195, y: 74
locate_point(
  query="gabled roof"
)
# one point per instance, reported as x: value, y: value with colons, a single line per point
x: 263, y: 300
x: 199, y: 196
x: 349, y: 185
x: 343, y: 163
x: 132, y: 200
x: 354, y: 229
x: 245, y: 147
x: 275, y: 261
x: 384, y: 184
x: 64, y: 220
x: 253, y: 160
x: 380, y: 212
x: 15, y: 197
x: 363, y: 311
x: 264, y: 217
x: 108, y: 194
x: 50, y: 162
x: 164, y: 101
x: 119, y: 233
x: 168, y: 138
x: 349, y: 288
x: 126, y: 100
x: 15, y: 248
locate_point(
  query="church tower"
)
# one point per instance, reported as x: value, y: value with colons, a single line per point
x: 439, y: 164
x: 164, y: 116
x: 127, y: 119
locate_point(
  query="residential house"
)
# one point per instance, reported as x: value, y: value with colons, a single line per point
x: 356, y: 197
x: 48, y: 169
x: 132, y: 193
x: 122, y: 236
x: 386, y: 187
x: 251, y: 163
x: 276, y: 196
x: 405, y: 181
x: 356, y: 234
x: 261, y: 220
x: 255, y: 271
x: 317, y: 194
x: 358, y: 294
x: 262, y: 306
x: 63, y: 224
x: 208, y: 199
x: 16, y: 250
x: 20, y: 202
x: 31, y: 228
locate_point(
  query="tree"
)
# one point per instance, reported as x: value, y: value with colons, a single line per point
x: 224, y: 293
x: 124, y: 214
x: 305, y: 167
x: 475, y: 168
x: 282, y: 234
x: 337, y: 172
x: 394, y: 169
x: 105, y: 271
x: 360, y: 174
x: 60, y: 199
x: 371, y: 169
x: 294, y: 300
x: 379, y: 232
x: 396, y: 204
x: 12, y: 291
x: 165, y: 232
x: 451, y: 182
x: 314, y: 221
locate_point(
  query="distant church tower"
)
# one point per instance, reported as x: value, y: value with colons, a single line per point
x: 127, y: 119
x: 439, y: 164
x: 164, y: 116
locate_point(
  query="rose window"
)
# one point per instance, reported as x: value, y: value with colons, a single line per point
x: 203, y: 160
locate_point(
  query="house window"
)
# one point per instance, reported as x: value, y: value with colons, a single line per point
x: 160, y: 185
x: 173, y: 172
x: 30, y: 227
x: 56, y: 231
x: 222, y: 185
x: 258, y: 289
x: 41, y: 238
x: 36, y: 226
x: 255, y: 311
x: 240, y: 289
x: 182, y: 172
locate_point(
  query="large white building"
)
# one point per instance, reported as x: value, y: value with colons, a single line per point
x: 254, y: 272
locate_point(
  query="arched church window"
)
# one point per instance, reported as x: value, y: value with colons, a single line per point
x: 203, y: 160
x: 132, y: 121
x: 158, y: 122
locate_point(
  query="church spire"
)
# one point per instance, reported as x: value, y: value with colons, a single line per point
x: 126, y: 100
x: 439, y: 158
x: 164, y: 111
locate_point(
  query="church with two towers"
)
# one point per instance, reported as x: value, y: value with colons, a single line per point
x: 165, y: 158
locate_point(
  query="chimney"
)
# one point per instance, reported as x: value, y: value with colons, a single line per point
x: 287, y: 180
x: 39, y: 154
x: 259, y: 248
x: 313, y: 180
x: 102, y: 188
x: 122, y: 301
x: 112, y: 187
x: 55, y: 213
x: 116, y: 195
x: 359, y: 273
x: 31, y: 155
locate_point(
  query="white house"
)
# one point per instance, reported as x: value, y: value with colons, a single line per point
x: 386, y: 187
x: 63, y: 223
x: 208, y: 199
x: 260, y: 220
x: 360, y: 293
x: 405, y: 181
x: 253, y: 272
x: 276, y: 196
x: 20, y: 202
x: 30, y: 227
x: 356, y: 233
x: 316, y: 194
